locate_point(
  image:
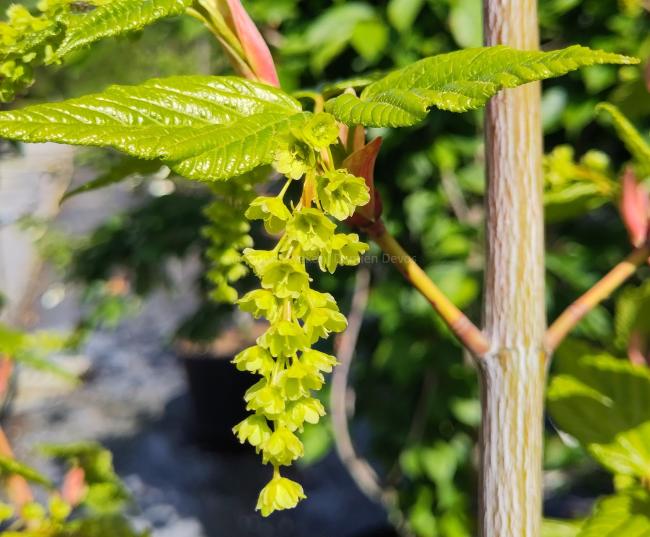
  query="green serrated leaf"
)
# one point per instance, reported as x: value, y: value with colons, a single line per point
x: 624, y: 515
x: 604, y: 403
x: 203, y: 127
x: 10, y: 467
x: 458, y: 81
x: 115, y: 18
x: 636, y: 144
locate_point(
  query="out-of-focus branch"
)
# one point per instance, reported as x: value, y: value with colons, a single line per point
x: 454, y: 195
x: 359, y: 468
x: 599, y: 292
x: 464, y: 329
x: 362, y: 473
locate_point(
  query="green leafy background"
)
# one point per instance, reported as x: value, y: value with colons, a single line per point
x: 430, y: 176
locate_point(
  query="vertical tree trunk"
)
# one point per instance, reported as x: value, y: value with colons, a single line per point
x: 513, y: 374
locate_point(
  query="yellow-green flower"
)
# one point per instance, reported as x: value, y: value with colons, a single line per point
x: 265, y: 398
x: 294, y: 158
x: 282, y: 448
x: 260, y: 303
x: 307, y: 410
x: 258, y: 260
x: 318, y: 361
x: 298, y: 381
x: 343, y: 250
x: 286, y: 277
x: 340, y: 193
x: 280, y: 493
x: 312, y: 230
x: 283, y: 339
x: 255, y: 359
x: 254, y: 429
x: 271, y: 210
x: 320, y: 131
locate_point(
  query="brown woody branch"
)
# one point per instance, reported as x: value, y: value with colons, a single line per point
x: 599, y: 292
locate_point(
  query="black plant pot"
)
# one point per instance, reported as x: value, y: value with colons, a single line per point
x: 216, y: 387
x: 217, y: 392
x: 381, y: 532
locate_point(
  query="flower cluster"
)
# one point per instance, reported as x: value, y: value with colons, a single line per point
x: 29, y: 40
x: 228, y: 234
x: 25, y: 41
x: 282, y: 400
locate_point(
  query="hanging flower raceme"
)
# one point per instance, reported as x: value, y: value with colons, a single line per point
x: 290, y: 371
x: 227, y: 233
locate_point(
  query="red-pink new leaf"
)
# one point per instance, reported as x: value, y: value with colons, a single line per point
x: 362, y: 164
x: 635, y: 208
x: 255, y: 48
x: 74, y: 486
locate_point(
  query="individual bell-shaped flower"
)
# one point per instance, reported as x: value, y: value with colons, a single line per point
x: 343, y: 250
x: 282, y: 447
x: 294, y: 158
x: 340, y: 193
x: 305, y: 410
x: 271, y: 210
x: 280, y: 493
x: 312, y: 230
x: 254, y: 429
x: 258, y: 260
x: 318, y: 361
x: 254, y: 359
x: 264, y: 397
x: 319, y: 325
x: 322, y: 316
x: 260, y: 303
x: 283, y: 339
x: 287, y: 278
x: 297, y: 381
x: 320, y: 131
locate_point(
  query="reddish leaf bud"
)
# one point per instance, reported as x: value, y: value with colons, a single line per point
x: 74, y: 486
x: 362, y: 164
x: 635, y: 207
x: 257, y: 52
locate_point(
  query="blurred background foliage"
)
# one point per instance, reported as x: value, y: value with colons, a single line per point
x: 416, y: 394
